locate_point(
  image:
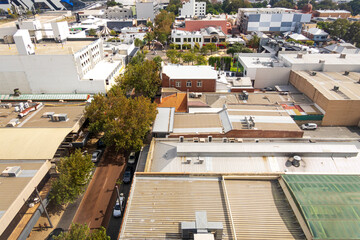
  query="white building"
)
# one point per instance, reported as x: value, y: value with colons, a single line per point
x: 204, y: 36
x: 271, y: 20
x: 53, y: 5
x: 115, y: 12
x: 191, y: 8
x: 49, y: 67
x: 147, y: 9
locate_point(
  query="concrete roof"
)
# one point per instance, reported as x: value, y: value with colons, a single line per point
x: 316, y: 31
x: 102, y: 70
x: 201, y: 123
x: 324, y: 82
x: 335, y: 59
x: 257, y: 62
x: 30, y: 143
x: 48, y: 48
x: 170, y: 156
x: 158, y: 204
x: 14, y: 191
x: 164, y: 120
x: 189, y: 72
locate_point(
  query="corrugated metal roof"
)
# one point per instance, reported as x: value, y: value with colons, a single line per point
x: 329, y: 203
x: 157, y: 206
x: 225, y: 120
x: 47, y: 96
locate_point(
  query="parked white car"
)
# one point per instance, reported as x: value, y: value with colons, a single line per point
x: 132, y: 157
x: 309, y: 126
x: 119, y: 206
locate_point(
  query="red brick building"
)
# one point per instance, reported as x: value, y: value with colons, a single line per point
x: 196, y: 25
x: 189, y: 78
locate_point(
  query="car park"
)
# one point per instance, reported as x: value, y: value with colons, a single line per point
x: 96, y: 155
x: 119, y: 206
x: 309, y: 126
x: 132, y: 158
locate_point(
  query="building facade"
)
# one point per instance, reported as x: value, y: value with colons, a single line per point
x: 316, y: 34
x: 204, y: 36
x: 191, y: 8
x: 147, y: 10
x: 270, y: 20
x: 332, y: 13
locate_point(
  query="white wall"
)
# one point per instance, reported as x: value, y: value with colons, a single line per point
x: 145, y: 10
x: 59, y: 76
x: 269, y: 77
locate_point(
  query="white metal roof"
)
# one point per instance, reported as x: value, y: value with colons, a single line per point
x: 189, y: 72
x: 164, y: 121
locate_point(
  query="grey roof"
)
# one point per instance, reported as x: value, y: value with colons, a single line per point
x: 164, y: 122
x: 343, y: 48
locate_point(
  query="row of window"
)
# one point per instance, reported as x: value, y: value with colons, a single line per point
x: 189, y: 84
x: 187, y: 40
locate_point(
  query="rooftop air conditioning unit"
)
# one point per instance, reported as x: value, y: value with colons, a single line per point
x: 343, y: 55
x: 231, y: 140
x: 224, y: 140
x: 11, y: 171
x: 63, y: 117
x: 210, y: 138
x: 346, y: 73
x: 48, y: 114
x: 188, y: 160
x: 201, y: 160
x: 195, y: 139
x: 336, y: 88
x: 181, y: 139
x: 299, y: 55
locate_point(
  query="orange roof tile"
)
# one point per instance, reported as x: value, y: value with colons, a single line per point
x: 177, y: 100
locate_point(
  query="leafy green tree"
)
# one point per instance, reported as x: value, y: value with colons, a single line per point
x: 254, y: 42
x: 158, y: 61
x: 144, y: 78
x: 204, y: 50
x: 163, y: 22
x: 92, y: 32
x: 326, y: 4
x: 339, y: 28
x: 112, y: 3
x: 82, y: 232
x: 179, y: 56
x: 186, y: 46
x: 74, y: 174
x: 238, y: 48
x: 124, y: 121
x: 355, y: 6
x: 200, y: 60
x: 149, y: 24
x: 138, y: 59
x: 138, y: 43
x: 171, y: 55
x: 113, y: 33
x: 309, y: 43
x: 149, y: 37
x: 284, y: 4
x: 232, y: 6
x: 212, y: 47
x: 189, y: 57
x: 353, y: 35
x: 174, y: 6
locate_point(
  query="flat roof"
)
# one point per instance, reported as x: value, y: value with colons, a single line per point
x: 158, y: 204
x: 350, y: 59
x: 329, y: 204
x: 164, y: 120
x: 324, y: 82
x: 198, y: 122
x: 30, y: 143
x: 14, y: 191
x: 47, y: 97
x: 48, y: 48
x: 189, y: 72
x: 257, y: 62
x: 102, y: 70
x: 170, y: 156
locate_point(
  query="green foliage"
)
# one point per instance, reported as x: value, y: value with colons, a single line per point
x: 254, y: 42
x: 172, y: 55
x: 149, y: 37
x: 138, y: 59
x: 221, y: 62
x: 92, y: 32
x: 74, y: 174
x: 82, y: 232
x: 211, y: 47
x: 338, y: 28
x: 355, y: 7
x: 310, y: 43
x: 124, y: 121
x: 144, y: 78
x: 163, y: 22
x: 186, y: 46
x: 189, y: 57
x: 260, y: 4
x: 150, y: 24
x: 112, y: 3
x: 174, y: 46
x: 285, y: 4
x: 114, y: 39
x: 174, y: 6
x: 232, y: 6
x: 158, y: 61
x: 138, y: 43
x: 293, y: 40
x: 238, y: 48
x: 113, y: 33
x: 204, y: 50
x: 200, y: 60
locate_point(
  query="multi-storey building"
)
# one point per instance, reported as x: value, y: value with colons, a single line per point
x: 271, y: 20
x: 191, y: 8
x: 147, y: 9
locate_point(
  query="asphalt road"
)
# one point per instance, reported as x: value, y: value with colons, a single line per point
x: 333, y: 132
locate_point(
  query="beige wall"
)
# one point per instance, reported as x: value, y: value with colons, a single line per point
x: 338, y: 112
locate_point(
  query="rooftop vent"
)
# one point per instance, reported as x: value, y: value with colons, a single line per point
x: 343, y: 55
x: 299, y: 55
x: 295, y: 160
x: 61, y: 117
x: 181, y: 139
x: 313, y: 73
x: 11, y: 171
x: 321, y: 61
x: 346, y: 73
x: 336, y: 88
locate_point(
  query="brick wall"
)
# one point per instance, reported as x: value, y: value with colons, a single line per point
x: 207, y: 85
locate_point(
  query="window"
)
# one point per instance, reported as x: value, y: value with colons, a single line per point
x: 199, y: 83
x: 189, y: 39
x: 178, y: 84
x: 188, y: 84
x: 107, y: 81
x: 177, y: 39
x: 207, y: 40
